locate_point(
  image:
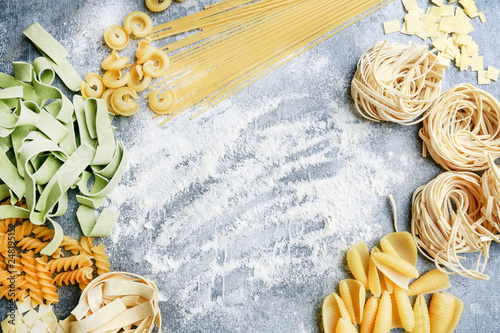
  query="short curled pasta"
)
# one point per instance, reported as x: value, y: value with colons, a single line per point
x: 396, y: 82
x: 138, y: 23
x: 157, y: 5
x: 155, y: 62
x: 94, y: 87
x: 143, y: 48
x: 70, y: 244
x: 166, y: 102
x: 115, y: 78
x: 23, y: 230
x: 122, y: 101
x: 101, y: 259
x: 43, y: 233
x: 31, y: 276
x: 30, y: 243
x: 107, y: 97
x: 87, y: 243
x: 116, y: 37
x: 138, y: 80
x: 77, y: 276
x: 67, y: 263
x: 447, y: 220
x: 113, y: 61
x: 45, y: 280
x: 463, y: 125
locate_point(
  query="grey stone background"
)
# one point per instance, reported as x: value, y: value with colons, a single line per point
x: 200, y: 293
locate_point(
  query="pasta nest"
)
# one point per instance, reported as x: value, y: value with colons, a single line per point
x: 396, y: 82
x: 463, y: 126
x: 448, y: 220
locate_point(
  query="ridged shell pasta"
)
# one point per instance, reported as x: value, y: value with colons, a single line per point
x: 357, y: 259
x: 431, y: 282
x: 388, y: 271
x: 421, y: 314
x: 401, y: 243
x: 396, y: 320
x: 333, y: 309
x: 353, y: 294
x: 405, y: 310
x: 397, y: 263
x: 383, y: 319
x: 459, y: 307
x: 441, y: 312
x: 345, y: 326
x: 369, y: 315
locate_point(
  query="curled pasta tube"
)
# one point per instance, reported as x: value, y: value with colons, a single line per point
x: 94, y: 87
x: 165, y: 104
x: 115, y: 79
x: 107, y: 97
x: 114, y: 61
x: 122, y: 101
x: 116, y: 37
x: 143, y: 47
x: 138, y: 23
x: 155, y: 63
x: 157, y: 5
x: 138, y: 81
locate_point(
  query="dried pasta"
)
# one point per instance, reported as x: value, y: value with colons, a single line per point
x: 490, y: 183
x: 138, y: 79
x: 101, y: 259
x: 69, y: 263
x: 400, y: 244
x: 165, y: 104
x: 421, y: 314
x: 115, y: 79
x: 87, y: 243
x: 357, y: 259
x: 45, y: 280
x: 396, y: 82
x: 77, y: 276
x: 431, y: 282
x: 404, y: 308
x: 462, y: 127
x: 94, y: 87
x: 369, y: 315
x: 29, y: 268
x: 123, y: 102
x: 137, y: 23
x: 353, y: 294
x: 157, y: 5
x: 155, y: 62
x: 116, y: 37
x: 383, y: 320
x: 344, y: 326
x: 333, y: 309
x: 441, y: 311
x: 447, y: 221
x: 114, y: 62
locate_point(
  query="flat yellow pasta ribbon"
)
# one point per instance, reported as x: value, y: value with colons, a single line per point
x: 116, y: 37
x: 138, y: 23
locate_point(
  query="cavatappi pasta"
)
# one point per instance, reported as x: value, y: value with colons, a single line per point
x: 390, y: 305
x: 396, y: 82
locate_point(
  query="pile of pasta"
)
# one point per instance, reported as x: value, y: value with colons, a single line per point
x: 158, y: 5
x: 396, y: 82
x: 386, y: 273
x: 25, y: 272
x: 119, y: 89
x: 458, y: 213
x: 118, y: 302
x: 462, y: 128
x: 35, y: 319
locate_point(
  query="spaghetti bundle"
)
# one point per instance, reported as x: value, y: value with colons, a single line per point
x: 448, y: 220
x: 490, y: 181
x: 396, y: 82
x: 237, y: 42
x: 462, y: 127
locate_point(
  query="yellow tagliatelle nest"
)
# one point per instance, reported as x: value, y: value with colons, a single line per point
x: 116, y: 37
x: 138, y: 23
x: 448, y: 221
x: 117, y: 300
x: 463, y: 126
x: 396, y: 82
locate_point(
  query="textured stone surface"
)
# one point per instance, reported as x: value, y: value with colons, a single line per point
x: 243, y: 216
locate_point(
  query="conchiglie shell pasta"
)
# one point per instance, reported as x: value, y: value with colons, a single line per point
x: 396, y: 320
x: 401, y: 243
x: 345, y: 326
x: 397, y: 263
x: 421, y: 314
x: 383, y: 319
x: 357, y: 259
x: 459, y: 307
x: 405, y: 310
x: 353, y: 294
x: 369, y: 315
x: 431, y: 282
x: 333, y: 309
x: 441, y: 311
x: 389, y: 285
x: 390, y: 273
x: 376, y: 279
